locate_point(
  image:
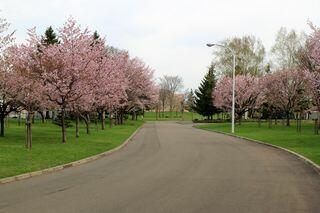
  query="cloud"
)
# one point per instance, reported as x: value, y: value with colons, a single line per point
x: 170, y: 35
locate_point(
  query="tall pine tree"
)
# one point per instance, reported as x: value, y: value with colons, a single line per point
x: 203, y: 100
x: 49, y: 37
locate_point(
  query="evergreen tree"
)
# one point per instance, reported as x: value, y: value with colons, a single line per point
x: 49, y: 37
x: 190, y: 101
x: 96, y: 35
x: 203, y: 100
x: 96, y: 38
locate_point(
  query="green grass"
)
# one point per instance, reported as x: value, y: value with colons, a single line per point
x: 167, y: 116
x: 48, y: 151
x: 305, y: 143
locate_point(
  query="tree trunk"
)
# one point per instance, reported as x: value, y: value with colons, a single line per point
x: 115, y: 118
x: 288, y: 119
x: 103, y: 120
x: 317, y: 124
x: 270, y: 121
x: 110, y: 119
x: 19, y: 119
x: 6, y: 122
x: 42, y: 116
x: 96, y: 121
x: 299, y: 122
x: 87, y: 122
x: 121, y: 118
x: 77, y: 125
x: 2, y: 126
x: 53, y: 116
x: 133, y: 115
x: 29, y: 130
x: 47, y: 114
x: 240, y: 119
x: 63, y: 127
x: 318, y: 116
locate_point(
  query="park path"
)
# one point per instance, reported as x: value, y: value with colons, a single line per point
x: 173, y: 168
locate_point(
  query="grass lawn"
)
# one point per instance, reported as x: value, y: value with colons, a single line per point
x: 187, y: 116
x: 48, y: 151
x: 305, y: 143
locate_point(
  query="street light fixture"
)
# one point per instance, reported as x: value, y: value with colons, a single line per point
x: 233, y: 79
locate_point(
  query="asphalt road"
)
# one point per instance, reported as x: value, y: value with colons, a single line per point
x: 174, y: 168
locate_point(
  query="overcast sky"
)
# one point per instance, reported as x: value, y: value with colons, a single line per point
x: 169, y: 35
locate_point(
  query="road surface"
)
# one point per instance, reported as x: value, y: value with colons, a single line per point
x: 173, y: 168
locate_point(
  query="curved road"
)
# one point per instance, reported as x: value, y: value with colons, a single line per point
x: 169, y: 167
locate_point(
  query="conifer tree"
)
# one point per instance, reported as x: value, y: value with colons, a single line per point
x: 49, y: 37
x: 96, y: 35
x: 203, y: 100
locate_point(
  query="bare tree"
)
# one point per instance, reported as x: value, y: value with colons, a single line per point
x: 163, y: 96
x: 250, y: 54
x: 184, y: 102
x: 287, y: 48
x: 190, y: 99
x: 169, y: 85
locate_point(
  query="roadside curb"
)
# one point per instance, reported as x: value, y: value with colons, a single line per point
x: 71, y: 164
x: 304, y: 159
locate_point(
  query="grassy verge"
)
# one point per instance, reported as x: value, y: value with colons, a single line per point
x: 305, y: 143
x: 48, y: 151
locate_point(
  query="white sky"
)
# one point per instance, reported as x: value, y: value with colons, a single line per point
x: 169, y: 35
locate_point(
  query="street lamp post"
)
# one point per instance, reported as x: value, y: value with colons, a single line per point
x: 233, y: 80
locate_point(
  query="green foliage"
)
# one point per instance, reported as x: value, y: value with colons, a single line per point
x: 96, y: 35
x: 49, y: 37
x: 203, y: 100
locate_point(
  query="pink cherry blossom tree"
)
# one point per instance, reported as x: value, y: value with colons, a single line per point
x: 8, y: 93
x: 286, y: 90
x: 314, y: 91
x: 312, y: 62
x: 313, y: 49
x: 65, y: 67
x: 28, y: 89
x: 110, y: 83
x: 140, y: 86
x: 246, y: 94
x: 7, y: 87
